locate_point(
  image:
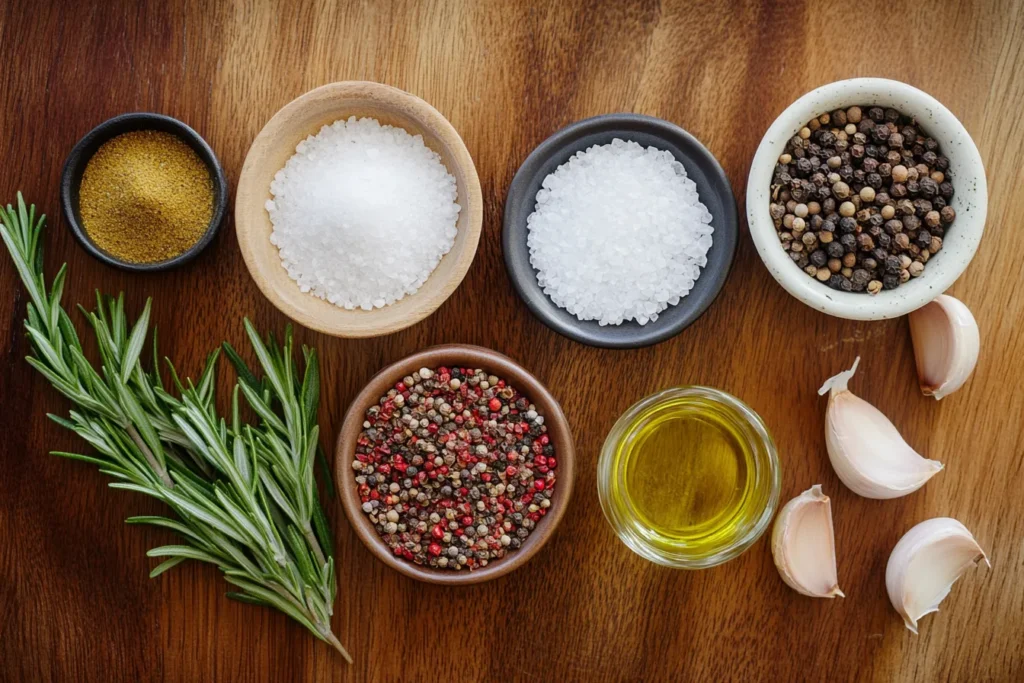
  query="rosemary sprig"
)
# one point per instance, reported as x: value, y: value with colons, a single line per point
x: 244, y: 494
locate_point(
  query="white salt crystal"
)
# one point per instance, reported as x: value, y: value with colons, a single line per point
x: 362, y: 213
x: 618, y: 233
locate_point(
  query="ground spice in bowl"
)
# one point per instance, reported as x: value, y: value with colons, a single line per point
x: 861, y: 198
x: 145, y: 197
x: 454, y: 468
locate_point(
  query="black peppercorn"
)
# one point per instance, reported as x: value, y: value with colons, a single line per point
x: 869, y: 263
x: 892, y: 227
x: 911, y: 223
x: 941, y: 163
x: 884, y: 241
x: 847, y: 225
x: 946, y: 190
x: 892, y: 265
x: 913, y: 187
x: 804, y: 166
x: 819, y: 258
x: 923, y: 239
x: 848, y: 241
x: 931, y: 144
x: 857, y: 151
x: 836, y: 281
x: 835, y: 249
x: 880, y: 133
x: 890, y: 281
x: 947, y: 214
x: 929, y: 188
x: 898, y: 190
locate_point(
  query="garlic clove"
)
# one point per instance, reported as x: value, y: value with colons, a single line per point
x: 866, y: 450
x: 926, y: 563
x: 804, y: 547
x: 946, y: 344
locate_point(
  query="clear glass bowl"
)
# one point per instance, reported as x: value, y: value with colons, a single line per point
x: 727, y: 539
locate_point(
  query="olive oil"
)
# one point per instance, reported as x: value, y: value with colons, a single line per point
x: 689, y: 477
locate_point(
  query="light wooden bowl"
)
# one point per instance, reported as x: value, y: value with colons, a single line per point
x: 458, y: 355
x: 276, y: 144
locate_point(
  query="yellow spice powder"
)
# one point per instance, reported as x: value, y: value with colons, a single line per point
x: 145, y: 197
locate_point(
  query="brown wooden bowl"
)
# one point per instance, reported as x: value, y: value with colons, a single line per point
x: 459, y: 355
x: 276, y: 144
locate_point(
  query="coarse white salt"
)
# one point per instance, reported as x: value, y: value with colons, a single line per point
x: 618, y: 233
x: 362, y: 213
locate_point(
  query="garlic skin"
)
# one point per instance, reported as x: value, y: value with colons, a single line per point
x: 946, y: 343
x: 866, y: 450
x: 926, y: 563
x: 804, y: 547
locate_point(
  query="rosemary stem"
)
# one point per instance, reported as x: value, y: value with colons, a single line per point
x: 315, y: 545
x: 160, y: 471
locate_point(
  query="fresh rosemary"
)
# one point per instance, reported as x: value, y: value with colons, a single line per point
x: 244, y: 494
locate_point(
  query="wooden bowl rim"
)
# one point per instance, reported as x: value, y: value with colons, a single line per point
x: 461, y: 355
x: 251, y: 197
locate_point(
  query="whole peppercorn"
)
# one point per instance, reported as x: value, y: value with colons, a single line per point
x: 904, y: 276
x: 895, y: 141
x: 880, y: 133
x: 857, y: 151
x: 867, y: 194
x: 929, y: 188
x: 898, y: 190
x: 849, y: 260
x: 874, y: 180
x: 942, y: 163
x: 939, y: 203
x: 923, y: 239
x: 847, y: 225
x: 891, y: 281
x: 915, y: 268
x: 865, y: 242
x: 934, y: 245
x: 874, y: 287
x: 946, y: 190
x: 809, y: 239
x: 899, y: 173
x: 885, y: 169
x: 887, y: 212
x: 818, y: 258
x: 839, y: 118
x: 826, y: 236
x: 876, y: 114
x: 906, y: 207
x: 913, y: 187
x: 947, y: 214
x: 834, y: 249
x: 777, y: 211
x: 921, y: 207
x: 892, y: 265
x: 803, y: 166
x: 932, y: 219
x: 863, y: 215
x: 869, y: 263
x: 848, y: 241
x: 846, y: 173
x: 884, y: 240
x: 911, y: 223
x: 841, y: 190
x: 847, y: 209
x: 835, y: 265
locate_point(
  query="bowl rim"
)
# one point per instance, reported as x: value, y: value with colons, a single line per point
x: 939, y: 275
x: 520, y: 274
x: 76, y: 161
x: 458, y: 355
x: 250, y: 190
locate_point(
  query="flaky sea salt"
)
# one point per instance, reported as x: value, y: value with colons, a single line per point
x: 362, y: 213
x: 618, y: 233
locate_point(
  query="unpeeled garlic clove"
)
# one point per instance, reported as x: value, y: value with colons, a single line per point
x: 926, y: 563
x: 804, y: 546
x: 946, y: 343
x: 866, y: 450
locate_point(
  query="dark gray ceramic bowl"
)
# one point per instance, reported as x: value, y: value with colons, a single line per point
x: 76, y: 162
x: 701, y: 167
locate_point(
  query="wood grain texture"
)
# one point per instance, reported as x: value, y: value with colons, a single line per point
x: 75, y: 600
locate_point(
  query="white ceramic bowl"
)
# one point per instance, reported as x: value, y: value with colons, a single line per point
x: 966, y: 172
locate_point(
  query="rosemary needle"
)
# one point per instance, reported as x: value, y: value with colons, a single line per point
x: 244, y: 494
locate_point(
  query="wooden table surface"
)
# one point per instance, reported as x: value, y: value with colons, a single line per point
x: 75, y: 600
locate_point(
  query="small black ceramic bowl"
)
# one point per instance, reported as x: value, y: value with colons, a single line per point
x: 76, y: 162
x: 712, y: 187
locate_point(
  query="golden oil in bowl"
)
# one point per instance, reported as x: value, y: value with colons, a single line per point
x: 689, y: 477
